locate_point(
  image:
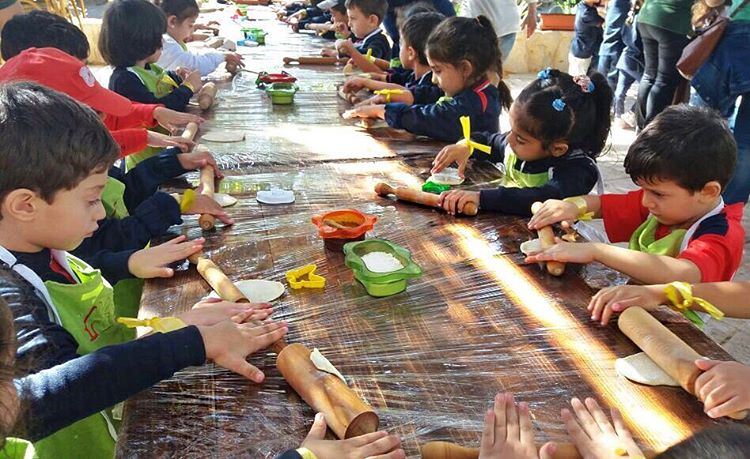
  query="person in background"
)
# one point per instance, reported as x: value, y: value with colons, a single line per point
x: 584, y: 49
x: 505, y: 18
x: 613, y: 43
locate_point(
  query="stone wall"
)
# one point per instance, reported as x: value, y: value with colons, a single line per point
x: 547, y: 48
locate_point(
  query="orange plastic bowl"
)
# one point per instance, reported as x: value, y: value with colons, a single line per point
x: 348, y: 225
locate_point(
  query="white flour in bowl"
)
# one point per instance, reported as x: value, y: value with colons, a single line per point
x: 381, y: 262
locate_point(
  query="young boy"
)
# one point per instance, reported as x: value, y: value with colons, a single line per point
x: 338, y: 25
x: 365, y: 17
x: 588, y: 37
x: 417, y: 87
x: 41, y: 29
x: 677, y: 225
x: 53, y: 168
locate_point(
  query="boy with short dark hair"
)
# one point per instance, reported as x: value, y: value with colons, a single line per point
x: 365, y: 17
x: 42, y: 29
x: 677, y: 225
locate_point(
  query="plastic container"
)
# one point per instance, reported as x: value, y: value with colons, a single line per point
x: 256, y: 34
x: 380, y: 284
x: 281, y: 93
x: 342, y: 226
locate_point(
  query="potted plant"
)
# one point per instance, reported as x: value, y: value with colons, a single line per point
x: 560, y: 21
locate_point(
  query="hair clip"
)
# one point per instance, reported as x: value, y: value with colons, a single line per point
x: 585, y: 83
x: 544, y: 74
x: 558, y: 104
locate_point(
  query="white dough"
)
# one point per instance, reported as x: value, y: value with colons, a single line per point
x: 448, y: 176
x: 641, y: 369
x: 531, y: 247
x: 275, y: 196
x: 225, y: 200
x: 223, y: 136
x: 258, y: 290
x: 381, y: 262
x: 322, y: 364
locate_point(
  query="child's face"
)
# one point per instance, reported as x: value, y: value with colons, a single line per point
x: 72, y: 216
x: 181, y: 31
x: 339, y: 17
x: 526, y: 146
x: 361, y: 25
x: 673, y: 205
x: 450, y: 78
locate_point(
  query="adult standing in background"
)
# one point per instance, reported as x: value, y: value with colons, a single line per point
x: 8, y: 9
x: 613, y: 44
x: 664, y: 26
x: 505, y: 18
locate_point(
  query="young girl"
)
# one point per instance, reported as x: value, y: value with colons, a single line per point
x: 559, y: 125
x: 131, y: 41
x: 462, y: 53
x: 181, y: 16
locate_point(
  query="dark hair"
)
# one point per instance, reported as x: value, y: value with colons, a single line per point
x: 182, y: 9
x: 50, y: 142
x: 131, y: 30
x: 688, y: 145
x: 415, y: 30
x: 409, y: 10
x: 340, y: 7
x: 725, y: 442
x: 41, y: 29
x: 472, y: 39
x: 582, y: 118
x: 377, y: 7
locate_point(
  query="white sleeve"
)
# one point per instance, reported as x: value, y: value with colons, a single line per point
x: 173, y: 56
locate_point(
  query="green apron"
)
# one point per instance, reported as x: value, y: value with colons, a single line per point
x: 644, y: 239
x: 514, y: 178
x: 86, y: 310
x: 160, y: 84
x: 15, y: 448
x: 127, y: 291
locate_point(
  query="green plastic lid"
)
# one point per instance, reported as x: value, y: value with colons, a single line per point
x: 435, y: 188
x: 354, y: 252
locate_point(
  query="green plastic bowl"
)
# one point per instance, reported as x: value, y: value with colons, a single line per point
x: 281, y: 93
x: 380, y: 284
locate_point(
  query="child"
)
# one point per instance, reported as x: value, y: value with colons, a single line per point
x: 339, y: 22
x: 677, y: 225
x: 41, y: 29
x: 461, y: 53
x: 584, y: 50
x: 131, y: 41
x: 559, y: 125
x: 417, y: 87
x: 181, y: 16
x: 365, y: 17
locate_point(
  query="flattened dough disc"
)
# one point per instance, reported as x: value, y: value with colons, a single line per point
x: 531, y: 247
x: 223, y: 136
x: 448, y: 176
x: 641, y: 369
x: 258, y: 290
x: 275, y: 196
x: 225, y: 200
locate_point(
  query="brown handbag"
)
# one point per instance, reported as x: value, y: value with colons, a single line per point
x: 697, y: 52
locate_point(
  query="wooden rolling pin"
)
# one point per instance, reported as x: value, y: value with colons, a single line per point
x: 316, y: 60
x: 190, y: 130
x: 207, y: 95
x: 547, y: 238
x: 346, y: 414
x: 419, y: 197
x: 446, y: 450
x: 208, y: 177
x: 666, y: 349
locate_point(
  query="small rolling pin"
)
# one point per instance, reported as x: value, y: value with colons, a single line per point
x: 446, y: 450
x: 207, y: 95
x: 666, y: 349
x: 419, y: 197
x: 316, y: 60
x: 207, y: 221
x: 547, y: 238
x: 190, y: 130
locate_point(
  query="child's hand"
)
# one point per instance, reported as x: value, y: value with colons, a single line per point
x: 234, y: 59
x: 159, y: 140
x: 171, y: 119
x: 198, y: 159
x: 457, y: 153
x: 508, y: 432
x: 369, y: 111
x: 228, y: 344
x: 205, y: 205
x: 354, y: 84
x: 376, y: 444
x: 454, y: 201
x: 211, y: 311
x: 344, y: 47
x: 594, y: 436
x: 194, y: 80
x: 329, y: 52
x: 723, y: 387
x: 617, y: 299
x: 182, y: 72
x: 154, y: 262
x: 554, y: 211
x: 566, y: 252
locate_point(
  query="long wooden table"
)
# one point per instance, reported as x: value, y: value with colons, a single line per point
x: 429, y: 360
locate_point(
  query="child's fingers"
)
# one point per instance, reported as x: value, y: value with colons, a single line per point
x: 511, y: 414
x: 160, y: 271
x: 579, y: 436
x: 705, y: 365
x: 380, y: 446
x: 524, y: 417
x: 243, y: 368
x: 624, y: 434
x: 366, y: 439
x: 488, y: 432
x: 547, y: 451
x: 174, y: 241
x: 599, y: 417
x: 731, y: 406
x: 584, y: 418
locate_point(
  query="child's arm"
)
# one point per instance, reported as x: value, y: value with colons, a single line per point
x: 643, y: 267
x: 173, y: 57
x: 459, y: 153
x: 354, y: 84
x: 360, y: 60
x: 439, y: 121
x: 128, y: 85
x: 729, y: 297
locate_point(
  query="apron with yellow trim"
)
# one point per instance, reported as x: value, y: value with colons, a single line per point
x: 160, y: 84
x: 86, y: 311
